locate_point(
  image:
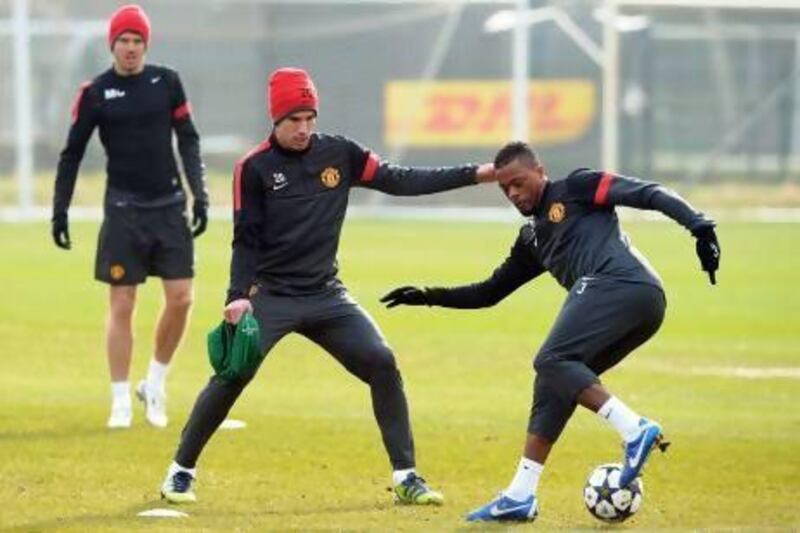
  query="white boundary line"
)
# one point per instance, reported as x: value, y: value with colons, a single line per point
x: 740, y: 372
x: 748, y: 372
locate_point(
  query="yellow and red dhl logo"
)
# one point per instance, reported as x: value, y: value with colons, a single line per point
x: 478, y: 113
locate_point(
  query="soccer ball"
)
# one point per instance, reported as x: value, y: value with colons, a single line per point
x: 606, y: 500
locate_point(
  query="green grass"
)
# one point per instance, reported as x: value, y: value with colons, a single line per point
x: 311, y: 456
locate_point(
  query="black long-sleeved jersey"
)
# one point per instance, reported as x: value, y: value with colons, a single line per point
x: 573, y: 233
x: 135, y: 116
x: 289, y: 208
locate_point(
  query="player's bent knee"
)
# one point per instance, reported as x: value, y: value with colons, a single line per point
x: 181, y: 301
x: 381, y: 364
x: 122, y: 312
x: 545, y: 364
x: 227, y: 388
x: 383, y: 358
x: 548, y: 430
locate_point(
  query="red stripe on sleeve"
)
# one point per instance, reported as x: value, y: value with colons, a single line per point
x: 601, y: 194
x: 370, y: 167
x: 182, y: 111
x: 76, y: 104
x: 237, y: 186
x: 237, y: 173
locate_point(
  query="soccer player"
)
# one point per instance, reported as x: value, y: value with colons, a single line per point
x: 615, y: 303
x: 136, y: 107
x: 290, y: 199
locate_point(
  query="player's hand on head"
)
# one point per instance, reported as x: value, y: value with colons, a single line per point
x: 199, y: 218
x: 708, y: 251
x: 60, y: 231
x: 407, y: 295
x: 485, y: 173
x: 233, y: 311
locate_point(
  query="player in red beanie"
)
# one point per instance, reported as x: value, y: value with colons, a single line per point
x: 128, y: 18
x: 129, y: 38
x: 137, y: 108
x: 290, y: 201
x: 291, y: 90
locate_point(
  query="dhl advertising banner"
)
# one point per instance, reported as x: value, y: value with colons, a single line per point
x: 470, y: 113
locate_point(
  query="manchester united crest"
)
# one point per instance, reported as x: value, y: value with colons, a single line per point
x: 556, y: 213
x: 117, y: 272
x: 330, y: 177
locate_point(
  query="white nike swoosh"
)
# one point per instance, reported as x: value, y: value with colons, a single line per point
x: 155, y: 80
x: 496, y: 511
x: 632, y: 462
x: 278, y: 186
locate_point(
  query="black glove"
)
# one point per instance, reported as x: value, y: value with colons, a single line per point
x: 199, y: 218
x: 406, y: 296
x: 60, y: 231
x: 708, y: 251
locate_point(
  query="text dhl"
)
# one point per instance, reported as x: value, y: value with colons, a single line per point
x: 478, y: 113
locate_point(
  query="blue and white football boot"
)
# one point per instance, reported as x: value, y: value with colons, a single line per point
x: 638, y: 450
x: 504, y: 508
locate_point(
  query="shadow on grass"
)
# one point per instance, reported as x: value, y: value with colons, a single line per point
x: 127, y: 519
x: 209, y: 518
x: 307, y: 511
x: 121, y: 519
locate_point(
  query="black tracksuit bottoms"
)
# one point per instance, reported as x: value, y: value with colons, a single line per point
x: 334, y: 321
x: 601, y: 322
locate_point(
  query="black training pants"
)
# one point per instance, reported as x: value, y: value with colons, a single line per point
x: 601, y: 322
x: 334, y: 321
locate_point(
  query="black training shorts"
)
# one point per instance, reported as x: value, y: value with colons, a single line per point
x: 135, y: 243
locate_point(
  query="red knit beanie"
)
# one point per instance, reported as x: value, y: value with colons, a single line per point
x: 128, y: 18
x: 291, y: 90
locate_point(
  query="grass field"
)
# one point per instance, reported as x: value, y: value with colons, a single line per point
x: 311, y: 456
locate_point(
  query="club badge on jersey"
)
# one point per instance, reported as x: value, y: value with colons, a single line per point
x: 557, y: 212
x: 330, y: 177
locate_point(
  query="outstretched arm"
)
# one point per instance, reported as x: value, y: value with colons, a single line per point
x: 518, y: 268
x: 372, y: 173
x: 606, y: 189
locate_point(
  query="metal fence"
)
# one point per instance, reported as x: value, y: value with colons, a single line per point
x: 704, y: 94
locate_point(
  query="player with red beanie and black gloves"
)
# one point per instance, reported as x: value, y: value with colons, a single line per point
x: 615, y: 304
x: 136, y: 107
x: 290, y: 199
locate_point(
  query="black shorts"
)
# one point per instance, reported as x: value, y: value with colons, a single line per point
x: 601, y: 322
x: 135, y: 243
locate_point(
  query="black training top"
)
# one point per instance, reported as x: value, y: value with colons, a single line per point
x: 135, y: 116
x: 289, y: 208
x: 575, y: 232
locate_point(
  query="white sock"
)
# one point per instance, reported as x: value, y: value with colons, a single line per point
x: 156, y: 374
x: 526, y: 480
x: 121, y: 393
x: 175, y: 467
x: 398, y: 476
x: 621, y: 418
